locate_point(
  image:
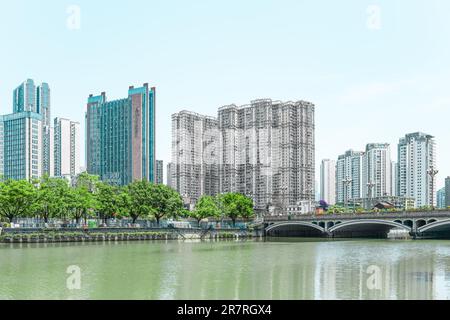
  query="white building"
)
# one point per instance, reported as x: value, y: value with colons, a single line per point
x: 194, y: 169
x: 376, y: 171
x: 349, y: 177
x: 267, y: 152
x: 417, y: 155
x: 394, y: 178
x: 328, y: 181
x: 66, y: 147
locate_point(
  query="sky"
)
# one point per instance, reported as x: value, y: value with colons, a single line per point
x: 375, y: 70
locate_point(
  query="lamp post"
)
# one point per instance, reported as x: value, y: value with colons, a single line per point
x: 370, y: 186
x: 347, y: 181
x: 432, y: 173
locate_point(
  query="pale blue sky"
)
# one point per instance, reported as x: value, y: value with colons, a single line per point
x: 368, y: 85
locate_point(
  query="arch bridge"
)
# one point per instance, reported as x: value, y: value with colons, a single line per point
x: 419, y: 225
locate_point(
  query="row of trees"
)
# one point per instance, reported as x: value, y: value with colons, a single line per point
x: 91, y: 198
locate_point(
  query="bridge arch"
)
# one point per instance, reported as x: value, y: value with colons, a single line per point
x: 295, y: 229
x: 366, y: 228
x: 442, y: 226
x: 420, y: 223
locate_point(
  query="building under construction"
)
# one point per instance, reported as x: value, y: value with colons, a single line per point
x: 264, y: 150
x: 194, y: 167
x: 267, y: 152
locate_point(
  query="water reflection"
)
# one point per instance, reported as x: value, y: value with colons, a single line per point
x: 281, y: 269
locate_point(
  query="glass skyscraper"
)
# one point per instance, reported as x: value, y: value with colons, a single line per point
x: 120, y: 137
x: 26, y: 133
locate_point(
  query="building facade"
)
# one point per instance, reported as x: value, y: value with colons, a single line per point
x: 267, y: 152
x: 120, y: 137
x: 376, y: 171
x: 394, y: 178
x: 66, y: 147
x: 417, y: 155
x: 447, y: 192
x: 328, y: 181
x: 28, y: 99
x: 349, y: 176
x: 440, y: 199
x: 22, y: 145
x: 159, y: 172
x: 194, y: 168
x: 169, y: 170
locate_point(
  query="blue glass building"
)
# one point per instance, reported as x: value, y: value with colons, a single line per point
x: 25, y: 134
x: 120, y: 137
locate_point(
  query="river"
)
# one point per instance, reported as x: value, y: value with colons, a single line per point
x: 279, y: 269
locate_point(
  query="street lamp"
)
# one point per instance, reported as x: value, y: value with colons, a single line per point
x: 347, y: 181
x: 432, y: 173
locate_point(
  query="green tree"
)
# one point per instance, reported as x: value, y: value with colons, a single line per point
x: 137, y: 199
x: 107, y: 201
x: 52, y: 196
x: 205, y: 207
x: 164, y: 202
x: 236, y: 205
x: 17, y: 199
x: 80, y: 202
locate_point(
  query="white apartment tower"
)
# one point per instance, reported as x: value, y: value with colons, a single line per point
x: 194, y: 167
x: 376, y: 171
x: 66, y: 147
x: 328, y: 181
x: 349, y: 177
x: 267, y: 152
x: 416, y: 156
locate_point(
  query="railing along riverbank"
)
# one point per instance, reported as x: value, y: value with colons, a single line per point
x: 47, y: 235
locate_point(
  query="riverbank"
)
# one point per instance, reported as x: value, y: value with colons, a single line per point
x: 119, y: 235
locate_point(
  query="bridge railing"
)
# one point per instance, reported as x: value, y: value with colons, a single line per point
x: 349, y: 216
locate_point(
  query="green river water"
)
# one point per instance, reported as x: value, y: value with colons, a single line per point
x: 279, y: 269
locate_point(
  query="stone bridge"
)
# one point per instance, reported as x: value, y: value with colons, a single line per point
x: 426, y: 224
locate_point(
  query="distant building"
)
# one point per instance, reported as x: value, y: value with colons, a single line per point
x: 447, y: 192
x: 120, y: 137
x: 376, y: 170
x: 349, y: 168
x: 66, y: 147
x: 26, y: 136
x: 416, y: 155
x: 169, y: 172
x: 394, y: 178
x: 194, y: 170
x: 22, y: 145
x: 328, y: 181
x: 159, y: 172
x: 441, y: 204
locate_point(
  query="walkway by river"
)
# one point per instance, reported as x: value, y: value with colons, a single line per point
x: 279, y: 269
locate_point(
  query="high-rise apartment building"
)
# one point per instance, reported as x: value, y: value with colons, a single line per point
x: 328, y: 181
x: 416, y: 156
x: 267, y: 152
x: 194, y: 167
x: 28, y: 97
x: 26, y: 153
x: 376, y: 171
x: 349, y: 176
x: 22, y: 145
x: 66, y: 147
x: 159, y: 172
x: 120, y: 136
